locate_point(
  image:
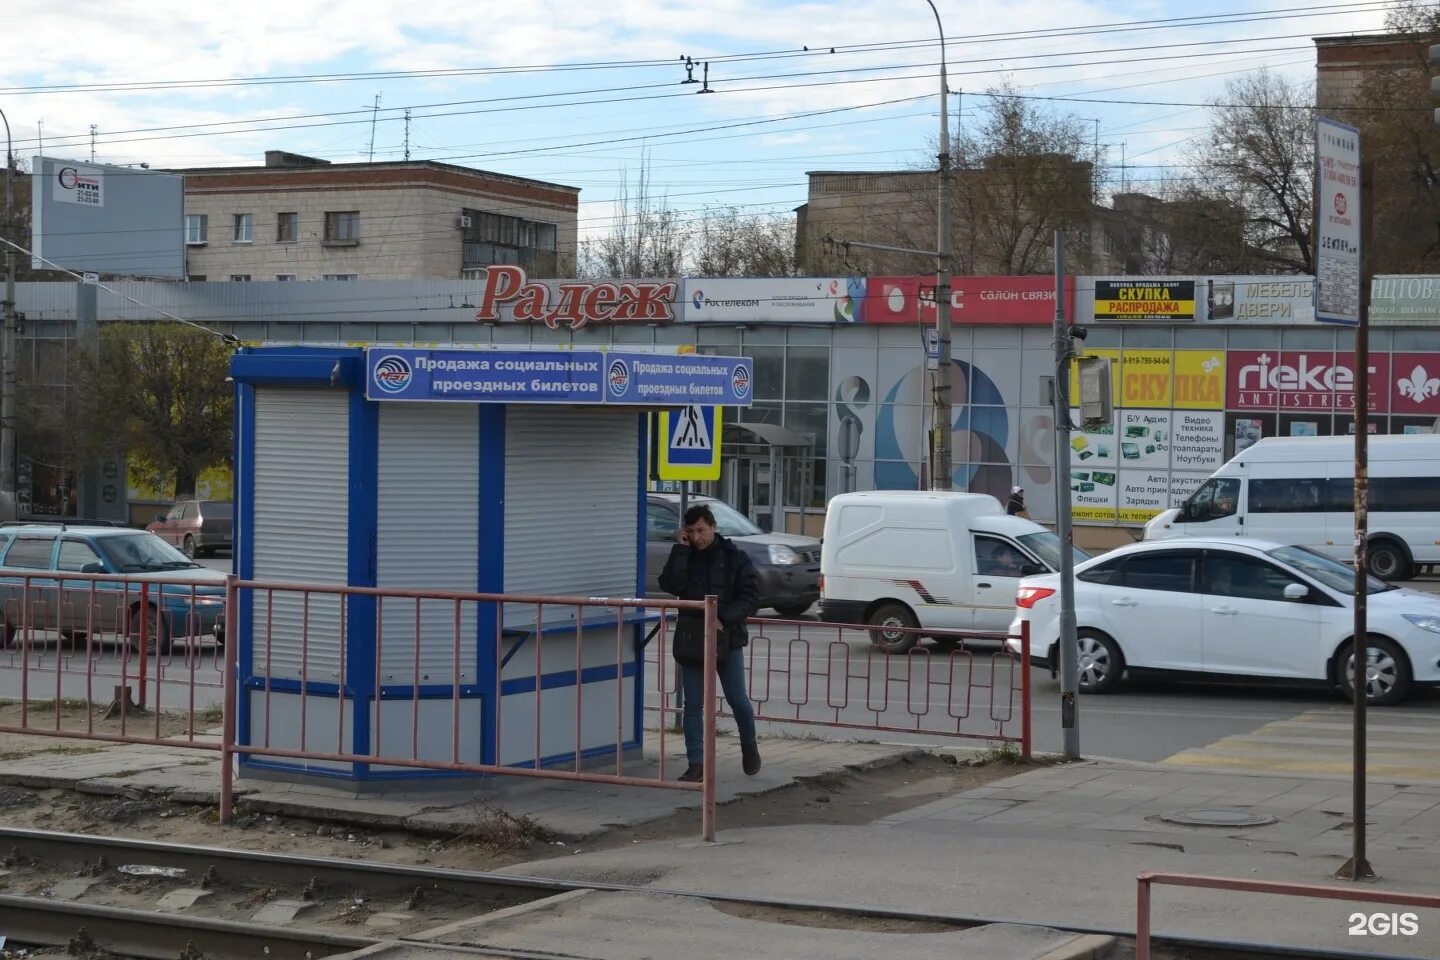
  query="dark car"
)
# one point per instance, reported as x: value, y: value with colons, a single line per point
x: 788, y: 565
x: 199, y: 527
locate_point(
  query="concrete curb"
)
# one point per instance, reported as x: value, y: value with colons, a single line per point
x: 1084, y: 946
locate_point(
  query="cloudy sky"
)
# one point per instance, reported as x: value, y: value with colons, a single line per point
x: 578, y: 92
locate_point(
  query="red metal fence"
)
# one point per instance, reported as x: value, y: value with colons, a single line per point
x: 1359, y: 894
x: 966, y: 685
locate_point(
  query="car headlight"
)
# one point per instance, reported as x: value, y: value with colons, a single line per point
x: 783, y: 556
x: 1425, y: 621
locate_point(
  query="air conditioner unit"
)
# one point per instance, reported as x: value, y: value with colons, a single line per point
x: 462, y: 222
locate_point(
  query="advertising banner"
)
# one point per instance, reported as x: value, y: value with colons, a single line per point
x: 1337, y: 222
x: 779, y: 299
x: 1302, y: 380
x: 1259, y: 300
x: 1028, y: 301
x: 1413, y: 301
x: 1134, y: 298
x: 510, y: 296
x: 557, y: 376
x: 1415, y: 386
x: 1184, y: 379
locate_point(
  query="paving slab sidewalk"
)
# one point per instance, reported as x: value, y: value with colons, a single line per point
x: 568, y: 810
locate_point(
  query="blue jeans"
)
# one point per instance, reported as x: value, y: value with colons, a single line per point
x: 732, y: 682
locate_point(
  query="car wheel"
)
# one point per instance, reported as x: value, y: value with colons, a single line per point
x: 157, y: 631
x: 1101, y: 662
x: 791, y: 610
x: 890, y: 621
x: 1387, y: 672
x: 1386, y: 559
x: 189, y: 546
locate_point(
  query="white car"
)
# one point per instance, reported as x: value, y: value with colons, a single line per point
x: 1232, y: 609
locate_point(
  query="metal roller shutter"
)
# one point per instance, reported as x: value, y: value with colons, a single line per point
x: 301, y: 527
x: 429, y: 518
x: 563, y: 536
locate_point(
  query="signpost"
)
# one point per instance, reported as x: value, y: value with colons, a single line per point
x: 1340, y: 298
x: 691, y: 447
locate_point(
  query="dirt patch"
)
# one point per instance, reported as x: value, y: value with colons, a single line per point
x: 79, y: 717
x: 500, y: 838
x: 830, y: 920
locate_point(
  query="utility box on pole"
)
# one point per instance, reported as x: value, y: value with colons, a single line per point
x: 1096, y: 399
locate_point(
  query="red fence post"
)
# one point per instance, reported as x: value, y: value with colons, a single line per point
x: 1142, y: 918
x: 144, y: 640
x: 709, y: 774
x: 1025, y: 689
x: 229, y: 680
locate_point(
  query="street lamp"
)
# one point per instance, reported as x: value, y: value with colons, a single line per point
x: 941, y: 469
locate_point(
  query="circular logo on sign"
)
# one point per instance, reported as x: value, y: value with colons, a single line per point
x: 740, y: 383
x: 69, y: 176
x: 109, y: 494
x: 392, y: 374
x: 619, y: 378
x: 1340, y: 204
x: 698, y: 299
x: 895, y: 299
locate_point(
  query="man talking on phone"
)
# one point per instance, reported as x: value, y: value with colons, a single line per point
x: 703, y: 563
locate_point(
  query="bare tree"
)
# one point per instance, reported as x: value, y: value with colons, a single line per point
x: 647, y: 239
x: 1258, y: 157
x: 730, y: 243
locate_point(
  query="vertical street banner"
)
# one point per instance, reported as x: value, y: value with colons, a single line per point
x: 1337, y: 222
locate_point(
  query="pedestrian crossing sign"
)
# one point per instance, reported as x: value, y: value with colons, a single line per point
x: 690, y: 443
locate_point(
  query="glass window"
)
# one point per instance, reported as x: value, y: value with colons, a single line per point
x: 764, y: 335
x: 75, y: 555
x: 217, y: 509
x: 769, y: 371
x: 1289, y: 496
x: 1244, y: 578
x: 1168, y: 570
x: 996, y: 558
x: 1307, y: 338
x: 1405, y: 494
x: 1332, y: 573
x: 30, y: 553
x: 142, y: 552
x: 342, y: 276
x: 1147, y: 338
x: 1046, y: 546
x: 729, y: 521
x: 179, y: 512
x: 661, y: 522
x: 809, y: 419
x: 287, y: 228
x: 1254, y: 338
x: 1201, y: 338
x: 342, y: 225
x: 1102, y: 572
x: 244, y: 228
x: 197, y: 226
x: 240, y: 277
x: 1216, y: 499
x: 807, y: 373
x: 284, y: 276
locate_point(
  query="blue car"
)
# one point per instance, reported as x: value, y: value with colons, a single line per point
x: 180, y: 598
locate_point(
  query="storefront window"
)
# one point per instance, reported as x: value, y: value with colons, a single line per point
x: 807, y: 373
x: 769, y: 371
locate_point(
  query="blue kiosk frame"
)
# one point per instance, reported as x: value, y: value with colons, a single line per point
x: 351, y: 426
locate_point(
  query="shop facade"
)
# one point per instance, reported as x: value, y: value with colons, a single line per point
x: 1204, y: 366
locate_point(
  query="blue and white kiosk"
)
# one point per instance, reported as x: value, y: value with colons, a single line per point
x: 486, y: 470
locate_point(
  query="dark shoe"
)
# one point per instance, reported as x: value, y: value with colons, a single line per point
x: 693, y: 774
x: 750, y: 758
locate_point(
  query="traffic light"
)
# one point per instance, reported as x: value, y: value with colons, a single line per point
x: 1434, y: 80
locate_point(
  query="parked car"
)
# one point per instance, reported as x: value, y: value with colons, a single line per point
x: 788, y: 565
x: 183, y: 598
x: 1233, y: 609
x: 905, y: 559
x: 198, y: 527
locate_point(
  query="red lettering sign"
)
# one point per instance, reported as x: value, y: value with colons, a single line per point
x: 974, y: 300
x: 1289, y: 380
x: 1415, y: 384
x: 574, y: 303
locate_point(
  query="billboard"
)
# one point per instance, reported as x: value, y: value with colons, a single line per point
x: 96, y: 218
x: 777, y: 299
x: 1143, y: 298
x: 1292, y: 380
x: 1337, y: 221
x: 1410, y: 301
x: 1259, y: 299
x: 976, y: 300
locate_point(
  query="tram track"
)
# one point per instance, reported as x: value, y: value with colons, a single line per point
x: 336, y: 902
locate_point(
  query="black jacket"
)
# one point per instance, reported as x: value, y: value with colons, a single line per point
x: 723, y: 570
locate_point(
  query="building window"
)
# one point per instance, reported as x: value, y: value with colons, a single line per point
x: 244, y: 228
x: 287, y: 228
x: 240, y: 277
x: 342, y: 276
x: 342, y: 226
x: 284, y: 276
x: 494, y: 238
x: 197, y: 226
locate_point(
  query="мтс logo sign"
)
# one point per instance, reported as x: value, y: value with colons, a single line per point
x: 393, y: 374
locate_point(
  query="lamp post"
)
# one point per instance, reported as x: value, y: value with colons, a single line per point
x: 941, y: 469
x: 8, y: 501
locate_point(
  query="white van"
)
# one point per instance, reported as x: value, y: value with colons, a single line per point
x: 1300, y: 490
x: 904, y: 558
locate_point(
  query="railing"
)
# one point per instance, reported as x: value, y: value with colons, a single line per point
x: 831, y: 675
x: 380, y: 683
x: 1359, y: 894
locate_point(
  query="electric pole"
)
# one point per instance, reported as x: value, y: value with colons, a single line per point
x: 9, y: 503
x: 942, y: 469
